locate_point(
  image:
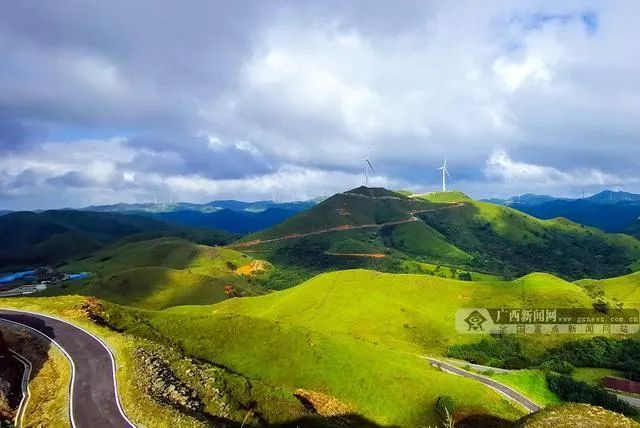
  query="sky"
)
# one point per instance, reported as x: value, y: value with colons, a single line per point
x: 134, y: 101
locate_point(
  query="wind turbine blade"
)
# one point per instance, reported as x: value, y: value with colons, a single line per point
x: 447, y: 172
x: 370, y: 166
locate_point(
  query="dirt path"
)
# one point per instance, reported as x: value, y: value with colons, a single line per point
x: 342, y: 228
x: 369, y: 255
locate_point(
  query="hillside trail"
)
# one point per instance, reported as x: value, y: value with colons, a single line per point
x: 344, y: 227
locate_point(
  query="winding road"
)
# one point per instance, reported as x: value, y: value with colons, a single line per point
x: 501, y: 388
x: 94, y: 401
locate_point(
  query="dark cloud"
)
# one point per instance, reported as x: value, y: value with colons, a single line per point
x: 292, y: 93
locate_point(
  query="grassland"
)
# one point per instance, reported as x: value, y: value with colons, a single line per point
x: 453, y: 230
x: 160, y: 273
x: 357, y: 322
x: 356, y: 335
x: 531, y: 383
x: 594, y: 376
x: 510, y: 243
x: 577, y: 415
x: 623, y: 289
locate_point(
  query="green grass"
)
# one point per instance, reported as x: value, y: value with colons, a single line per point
x: 531, y: 383
x: 623, y: 289
x: 355, y: 335
x: 511, y: 243
x: 592, y: 375
x: 475, y: 236
x: 442, y: 271
x: 357, y: 323
x: 385, y: 385
x: 160, y: 273
x: 445, y: 197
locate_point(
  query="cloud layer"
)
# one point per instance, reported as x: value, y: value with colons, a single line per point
x: 120, y: 101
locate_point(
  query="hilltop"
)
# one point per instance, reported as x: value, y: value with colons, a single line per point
x: 378, y: 228
x: 161, y: 273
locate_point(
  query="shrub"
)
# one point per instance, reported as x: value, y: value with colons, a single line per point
x: 570, y: 389
x: 558, y: 366
x: 444, y: 406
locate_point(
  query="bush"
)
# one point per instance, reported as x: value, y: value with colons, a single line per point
x: 444, y: 406
x: 569, y: 389
x: 610, y: 353
x: 464, y: 276
x: 558, y: 366
x: 501, y: 351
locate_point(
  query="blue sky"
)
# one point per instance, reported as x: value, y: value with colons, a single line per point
x: 119, y: 101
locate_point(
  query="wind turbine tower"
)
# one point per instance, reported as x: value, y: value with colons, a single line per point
x: 367, y: 167
x: 445, y: 174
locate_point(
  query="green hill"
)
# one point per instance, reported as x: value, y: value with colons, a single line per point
x: 161, y: 273
x: 623, y: 289
x: 357, y: 336
x: 51, y: 237
x: 372, y: 228
x: 512, y: 243
x: 379, y: 229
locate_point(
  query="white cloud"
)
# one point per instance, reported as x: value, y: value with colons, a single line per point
x: 501, y: 167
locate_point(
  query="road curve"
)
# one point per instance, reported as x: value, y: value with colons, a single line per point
x: 511, y: 393
x: 93, y: 399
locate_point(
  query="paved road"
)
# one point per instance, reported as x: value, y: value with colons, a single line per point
x: 94, y: 402
x: 633, y: 401
x: 504, y: 389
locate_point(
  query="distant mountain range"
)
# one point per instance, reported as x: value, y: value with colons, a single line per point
x: 608, y: 210
x: 233, y: 216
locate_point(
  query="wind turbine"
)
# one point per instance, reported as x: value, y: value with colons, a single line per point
x: 367, y: 167
x: 445, y: 174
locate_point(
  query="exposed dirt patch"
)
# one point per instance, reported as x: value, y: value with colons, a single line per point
x: 321, y: 404
x: 254, y: 267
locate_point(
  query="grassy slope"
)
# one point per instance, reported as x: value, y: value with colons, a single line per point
x: 577, y: 415
x: 531, y: 383
x: 161, y: 273
x: 385, y: 385
x: 503, y: 238
x: 624, y: 289
x: 311, y: 335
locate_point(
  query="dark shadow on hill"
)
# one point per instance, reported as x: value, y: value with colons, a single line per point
x: 341, y: 421
x: 30, y: 345
x: 483, y: 421
x: 525, y: 246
